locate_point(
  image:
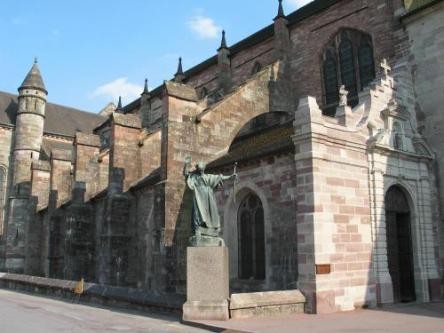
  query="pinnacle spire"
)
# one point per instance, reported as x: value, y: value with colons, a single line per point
x: 119, y: 105
x: 179, y: 76
x: 223, y: 42
x: 281, y: 13
x: 179, y: 67
x: 145, y: 88
x: 33, y: 79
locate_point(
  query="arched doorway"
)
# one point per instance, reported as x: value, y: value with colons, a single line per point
x: 251, y: 238
x: 399, y: 245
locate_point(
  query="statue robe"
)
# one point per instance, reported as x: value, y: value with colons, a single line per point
x: 205, y: 213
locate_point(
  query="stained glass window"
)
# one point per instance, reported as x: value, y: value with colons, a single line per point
x: 348, y: 60
x: 330, y: 80
x: 347, y: 65
x: 366, y: 64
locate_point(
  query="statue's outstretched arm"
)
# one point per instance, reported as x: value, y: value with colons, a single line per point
x: 229, y: 177
x: 234, y: 175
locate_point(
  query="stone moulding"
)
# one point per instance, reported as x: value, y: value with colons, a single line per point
x: 264, y: 304
x: 128, y: 298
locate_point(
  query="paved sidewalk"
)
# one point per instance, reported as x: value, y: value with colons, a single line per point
x: 20, y: 313
x: 404, y: 318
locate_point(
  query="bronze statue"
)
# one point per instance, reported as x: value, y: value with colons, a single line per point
x: 205, y: 221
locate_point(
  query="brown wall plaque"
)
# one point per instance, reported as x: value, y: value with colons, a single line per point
x: 323, y: 269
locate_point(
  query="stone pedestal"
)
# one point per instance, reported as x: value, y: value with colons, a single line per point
x: 207, y: 284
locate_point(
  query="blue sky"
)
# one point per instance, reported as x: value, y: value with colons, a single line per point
x: 92, y: 51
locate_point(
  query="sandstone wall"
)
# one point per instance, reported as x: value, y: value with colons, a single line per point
x: 273, y: 179
x: 333, y: 213
x: 426, y: 35
x: 5, y: 152
x: 311, y: 36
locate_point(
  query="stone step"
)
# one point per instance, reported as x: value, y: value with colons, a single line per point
x: 264, y: 304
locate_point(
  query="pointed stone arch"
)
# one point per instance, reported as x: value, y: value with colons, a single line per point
x: 230, y: 226
x: 400, y: 247
x: 222, y: 123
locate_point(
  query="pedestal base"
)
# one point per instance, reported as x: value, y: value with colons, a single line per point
x: 207, y: 284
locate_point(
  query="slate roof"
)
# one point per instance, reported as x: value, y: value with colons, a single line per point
x: 33, y: 79
x: 60, y: 120
x: 258, y: 144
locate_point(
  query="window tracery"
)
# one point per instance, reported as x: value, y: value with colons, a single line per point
x: 251, y: 238
x: 347, y: 60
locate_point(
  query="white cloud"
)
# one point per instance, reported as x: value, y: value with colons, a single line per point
x: 119, y: 87
x: 297, y: 3
x: 204, y: 27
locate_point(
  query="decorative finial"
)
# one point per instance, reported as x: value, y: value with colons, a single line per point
x: 280, y: 11
x: 35, y: 60
x: 223, y: 43
x: 145, y: 88
x: 119, y: 104
x: 343, y: 93
x: 179, y: 67
x: 385, y: 67
x: 179, y: 76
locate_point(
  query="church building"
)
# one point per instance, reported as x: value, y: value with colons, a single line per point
x: 333, y: 115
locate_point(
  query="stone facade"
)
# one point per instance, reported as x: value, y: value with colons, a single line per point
x: 310, y: 208
x: 426, y: 39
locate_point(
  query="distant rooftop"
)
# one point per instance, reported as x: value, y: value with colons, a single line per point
x: 59, y: 120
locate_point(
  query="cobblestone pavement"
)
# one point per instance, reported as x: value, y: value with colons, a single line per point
x: 21, y: 313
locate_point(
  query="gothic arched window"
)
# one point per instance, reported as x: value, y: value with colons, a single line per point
x: 347, y: 60
x: 347, y: 66
x: 331, y: 79
x: 366, y: 63
x: 3, y: 181
x: 397, y: 136
x: 203, y: 92
x: 257, y: 67
x: 251, y: 238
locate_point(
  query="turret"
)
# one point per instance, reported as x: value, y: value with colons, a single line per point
x: 29, y: 125
x: 27, y: 144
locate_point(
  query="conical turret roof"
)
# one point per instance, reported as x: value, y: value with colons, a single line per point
x: 33, y: 79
